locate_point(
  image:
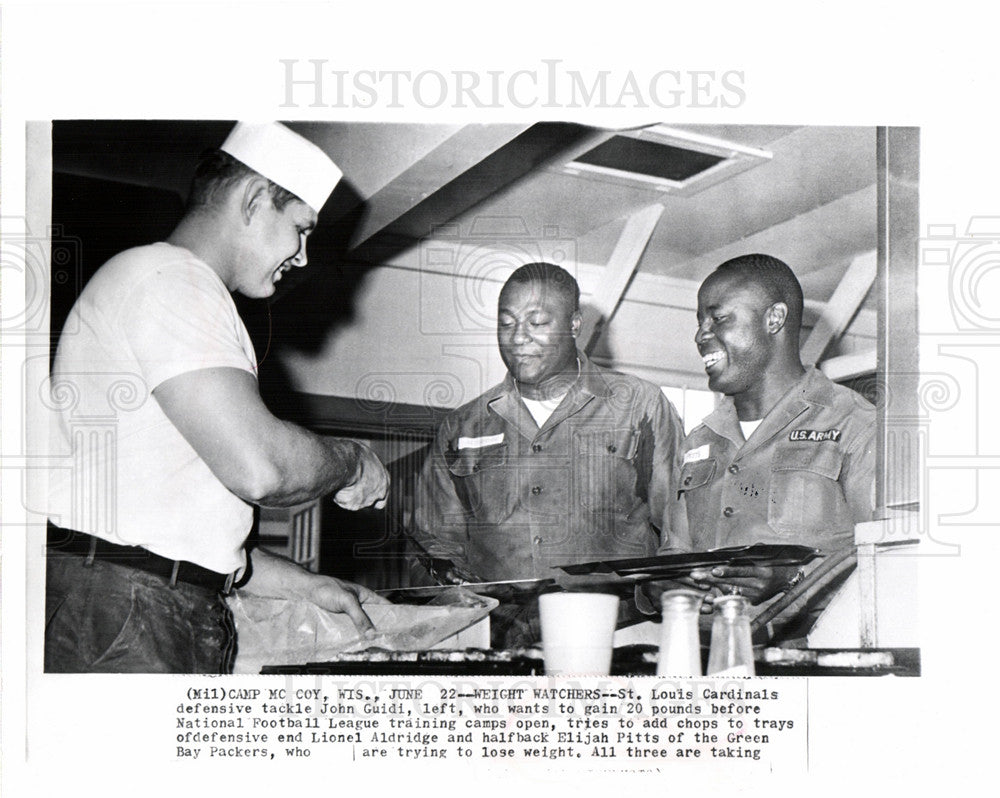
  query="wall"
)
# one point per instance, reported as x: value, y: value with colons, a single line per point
x: 424, y: 334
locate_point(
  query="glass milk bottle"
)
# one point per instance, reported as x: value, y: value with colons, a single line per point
x: 731, y: 651
x: 680, y: 650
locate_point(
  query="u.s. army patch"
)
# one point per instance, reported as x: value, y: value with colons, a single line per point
x: 814, y: 435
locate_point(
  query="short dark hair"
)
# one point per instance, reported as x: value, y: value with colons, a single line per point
x: 551, y: 276
x: 774, y: 276
x: 217, y: 172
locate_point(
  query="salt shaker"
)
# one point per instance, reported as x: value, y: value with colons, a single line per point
x: 731, y: 650
x: 680, y: 650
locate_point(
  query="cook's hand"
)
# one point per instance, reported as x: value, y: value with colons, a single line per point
x: 756, y: 582
x: 370, y: 485
x: 445, y: 572
x: 339, y: 596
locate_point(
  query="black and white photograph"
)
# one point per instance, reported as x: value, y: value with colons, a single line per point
x: 528, y: 398
x: 496, y: 362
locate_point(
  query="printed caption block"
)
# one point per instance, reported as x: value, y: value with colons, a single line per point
x: 596, y: 723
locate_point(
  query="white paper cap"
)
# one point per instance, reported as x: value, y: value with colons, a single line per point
x: 285, y: 158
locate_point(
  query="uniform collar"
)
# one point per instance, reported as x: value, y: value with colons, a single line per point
x: 505, y: 400
x: 809, y: 391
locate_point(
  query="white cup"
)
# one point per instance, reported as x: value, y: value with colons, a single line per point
x: 577, y: 632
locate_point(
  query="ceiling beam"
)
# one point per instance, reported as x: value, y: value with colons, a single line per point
x: 841, y: 308
x: 847, y: 367
x: 496, y: 167
x: 456, y: 155
x: 794, y: 240
x: 621, y: 266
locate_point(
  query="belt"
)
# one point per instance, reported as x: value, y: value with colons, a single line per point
x: 68, y: 541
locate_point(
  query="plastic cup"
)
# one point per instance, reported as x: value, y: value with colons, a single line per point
x: 577, y: 632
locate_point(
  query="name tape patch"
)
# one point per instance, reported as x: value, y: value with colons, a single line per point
x: 696, y: 455
x: 814, y: 435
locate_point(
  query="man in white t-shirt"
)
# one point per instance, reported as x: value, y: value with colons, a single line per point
x: 149, y: 520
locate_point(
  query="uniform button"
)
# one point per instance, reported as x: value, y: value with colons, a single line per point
x: 475, y: 466
x: 734, y: 469
x: 537, y: 541
x: 687, y: 480
x: 536, y: 490
x: 536, y: 447
x: 728, y: 512
x: 612, y: 448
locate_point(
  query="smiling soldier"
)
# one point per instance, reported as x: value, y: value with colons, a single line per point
x: 562, y: 462
x: 788, y: 456
x: 135, y: 575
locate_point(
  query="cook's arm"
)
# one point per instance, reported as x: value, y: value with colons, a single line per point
x: 276, y: 577
x: 259, y: 457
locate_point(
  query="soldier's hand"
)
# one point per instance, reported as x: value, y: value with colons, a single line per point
x: 370, y: 485
x: 757, y: 582
x: 445, y: 572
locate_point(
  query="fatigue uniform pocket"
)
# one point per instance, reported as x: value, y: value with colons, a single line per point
x: 805, y: 499
x: 700, y: 501
x: 484, y: 482
x: 605, y: 475
x: 696, y: 475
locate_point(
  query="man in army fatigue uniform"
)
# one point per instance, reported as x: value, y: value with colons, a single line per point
x: 788, y: 456
x: 562, y: 462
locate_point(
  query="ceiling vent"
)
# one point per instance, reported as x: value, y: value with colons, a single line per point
x: 662, y: 158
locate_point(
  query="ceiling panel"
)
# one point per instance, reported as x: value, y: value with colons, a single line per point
x: 814, y: 200
x: 371, y: 154
x: 813, y: 168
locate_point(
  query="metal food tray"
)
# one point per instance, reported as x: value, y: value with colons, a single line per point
x: 667, y: 565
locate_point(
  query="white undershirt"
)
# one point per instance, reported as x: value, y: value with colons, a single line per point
x: 541, y: 409
x: 748, y: 427
x: 148, y: 315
